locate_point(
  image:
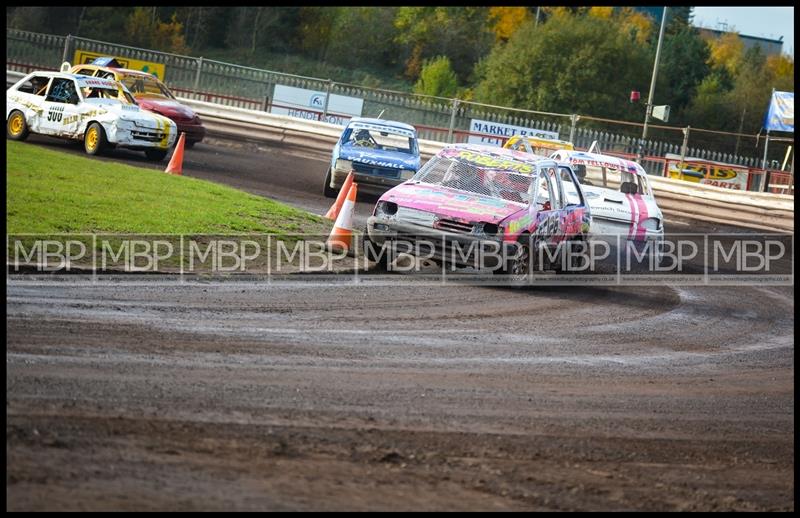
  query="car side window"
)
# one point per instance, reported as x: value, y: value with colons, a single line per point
x: 105, y: 75
x: 629, y: 184
x: 543, y: 189
x: 555, y: 193
x: 62, y: 90
x: 85, y: 72
x: 571, y: 193
x: 36, y: 85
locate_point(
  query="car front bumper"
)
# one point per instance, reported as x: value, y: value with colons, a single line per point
x: 194, y: 132
x: 366, y: 182
x: 475, y: 250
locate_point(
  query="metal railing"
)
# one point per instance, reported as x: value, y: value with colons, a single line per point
x: 247, y: 87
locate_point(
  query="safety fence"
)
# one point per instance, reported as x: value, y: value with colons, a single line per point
x: 447, y: 119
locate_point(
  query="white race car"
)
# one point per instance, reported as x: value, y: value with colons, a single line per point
x: 100, y: 112
x: 620, y: 199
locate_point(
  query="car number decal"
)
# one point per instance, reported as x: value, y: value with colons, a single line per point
x: 55, y: 113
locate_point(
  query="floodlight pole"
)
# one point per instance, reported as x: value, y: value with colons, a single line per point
x: 649, y: 106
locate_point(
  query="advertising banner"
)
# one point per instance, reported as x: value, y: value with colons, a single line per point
x: 503, y: 130
x: 707, y: 172
x: 309, y: 104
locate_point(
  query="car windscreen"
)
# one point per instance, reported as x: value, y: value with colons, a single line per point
x: 140, y: 84
x: 381, y: 140
x: 463, y: 176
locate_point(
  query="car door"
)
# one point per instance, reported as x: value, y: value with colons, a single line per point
x: 574, y: 209
x: 29, y: 98
x: 545, y: 202
x: 557, y: 204
x: 60, y: 115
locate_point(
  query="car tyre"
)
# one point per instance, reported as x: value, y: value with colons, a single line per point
x: 156, y: 155
x: 95, y: 141
x: 189, y: 144
x: 17, y: 126
x: 328, y: 191
x: 573, y: 262
x: 382, y: 262
x: 518, y: 268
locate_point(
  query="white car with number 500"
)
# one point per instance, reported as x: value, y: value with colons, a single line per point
x: 100, y: 112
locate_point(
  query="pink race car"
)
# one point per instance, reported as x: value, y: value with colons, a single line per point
x: 482, y: 207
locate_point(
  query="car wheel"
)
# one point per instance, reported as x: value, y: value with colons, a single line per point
x: 156, y: 155
x: 189, y: 144
x: 17, y: 126
x: 95, y: 141
x: 328, y: 191
x: 572, y: 259
x: 518, y: 268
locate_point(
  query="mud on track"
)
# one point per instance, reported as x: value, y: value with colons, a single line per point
x: 330, y: 396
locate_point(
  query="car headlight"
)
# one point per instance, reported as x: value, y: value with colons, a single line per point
x: 406, y: 174
x: 490, y: 229
x: 344, y: 165
x: 385, y: 209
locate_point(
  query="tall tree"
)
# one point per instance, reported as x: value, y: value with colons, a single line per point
x: 570, y: 64
x: 507, y: 20
x: 683, y: 65
x: 463, y: 34
x: 437, y: 78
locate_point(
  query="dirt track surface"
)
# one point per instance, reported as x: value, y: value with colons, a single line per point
x: 142, y: 395
x: 342, y: 397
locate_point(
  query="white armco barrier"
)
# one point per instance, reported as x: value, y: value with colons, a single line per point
x: 676, y: 198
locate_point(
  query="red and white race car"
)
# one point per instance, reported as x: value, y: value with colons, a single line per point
x: 620, y: 198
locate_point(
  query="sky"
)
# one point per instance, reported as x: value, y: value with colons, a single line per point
x: 764, y: 22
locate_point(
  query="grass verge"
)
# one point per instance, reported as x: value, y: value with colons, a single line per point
x: 53, y: 192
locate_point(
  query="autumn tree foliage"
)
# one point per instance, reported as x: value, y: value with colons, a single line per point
x: 437, y: 78
x: 575, y: 59
x: 574, y: 63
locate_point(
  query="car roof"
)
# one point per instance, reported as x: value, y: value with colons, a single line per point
x: 128, y: 71
x: 496, y: 151
x: 384, y: 122
x: 83, y: 81
x: 598, y: 159
x: 540, y: 140
x: 495, y: 158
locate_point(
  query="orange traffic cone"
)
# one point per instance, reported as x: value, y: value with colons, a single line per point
x: 341, y: 237
x: 333, y: 212
x: 175, y: 165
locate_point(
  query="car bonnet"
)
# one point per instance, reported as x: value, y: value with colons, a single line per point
x: 451, y: 203
x: 379, y: 157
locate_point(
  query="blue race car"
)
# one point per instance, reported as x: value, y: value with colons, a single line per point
x: 380, y: 153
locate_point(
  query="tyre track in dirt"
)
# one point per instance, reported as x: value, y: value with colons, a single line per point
x: 468, y: 398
